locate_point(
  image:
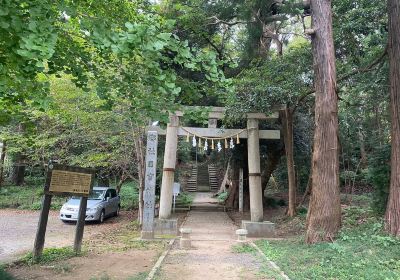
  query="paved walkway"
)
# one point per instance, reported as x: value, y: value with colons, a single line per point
x: 212, y: 257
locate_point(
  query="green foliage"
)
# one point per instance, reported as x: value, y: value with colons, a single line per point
x: 378, y: 175
x: 243, y: 248
x: 184, y: 199
x: 28, y: 196
x: 222, y: 196
x: 139, y: 276
x: 129, y: 196
x: 49, y: 255
x: 362, y: 251
x: 274, y: 203
x: 4, y: 275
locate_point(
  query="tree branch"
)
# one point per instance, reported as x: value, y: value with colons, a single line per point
x: 230, y: 23
x: 368, y: 68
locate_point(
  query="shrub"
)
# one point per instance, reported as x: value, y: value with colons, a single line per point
x: 378, y: 175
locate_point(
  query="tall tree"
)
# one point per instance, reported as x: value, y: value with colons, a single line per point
x: 324, y: 215
x: 392, y: 217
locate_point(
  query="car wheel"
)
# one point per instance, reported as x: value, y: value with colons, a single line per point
x: 101, y: 218
x: 117, y: 212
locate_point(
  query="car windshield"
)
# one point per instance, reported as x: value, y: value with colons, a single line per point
x: 96, y: 194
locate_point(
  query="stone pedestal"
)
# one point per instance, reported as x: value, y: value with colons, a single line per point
x: 185, y: 242
x: 259, y: 229
x: 147, y: 235
x: 166, y: 226
x: 241, y: 234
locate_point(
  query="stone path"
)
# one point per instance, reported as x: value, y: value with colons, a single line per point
x: 212, y: 257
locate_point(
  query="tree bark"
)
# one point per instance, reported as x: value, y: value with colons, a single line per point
x: 2, y: 160
x: 140, y: 161
x: 18, y: 171
x: 392, y: 216
x: 287, y: 122
x: 363, y: 152
x: 229, y: 203
x: 324, y: 214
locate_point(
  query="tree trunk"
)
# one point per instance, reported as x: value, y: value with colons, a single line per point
x: 392, y: 217
x: 363, y: 152
x: 222, y: 188
x: 287, y: 123
x: 2, y: 160
x: 140, y: 161
x: 18, y: 171
x: 324, y: 214
x: 234, y: 188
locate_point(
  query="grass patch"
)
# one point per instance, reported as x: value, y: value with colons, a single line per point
x: 49, y: 255
x: 4, y: 275
x: 123, y: 239
x: 139, y: 276
x: 27, y: 197
x: 184, y: 199
x: 362, y: 251
x: 243, y: 248
x: 104, y: 276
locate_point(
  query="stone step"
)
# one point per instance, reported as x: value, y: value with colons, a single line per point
x: 216, y: 208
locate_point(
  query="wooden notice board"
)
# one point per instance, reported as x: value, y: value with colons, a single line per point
x: 69, y: 180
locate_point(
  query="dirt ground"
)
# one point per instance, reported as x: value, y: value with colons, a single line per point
x: 110, y: 265
x: 112, y: 250
x: 18, y: 229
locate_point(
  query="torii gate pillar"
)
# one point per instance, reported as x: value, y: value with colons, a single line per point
x: 253, y: 148
x: 167, y: 184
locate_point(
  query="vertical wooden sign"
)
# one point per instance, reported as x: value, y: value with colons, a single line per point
x: 149, y: 191
x: 241, y: 190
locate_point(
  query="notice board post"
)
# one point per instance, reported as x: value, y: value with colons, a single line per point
x: 64, y: 180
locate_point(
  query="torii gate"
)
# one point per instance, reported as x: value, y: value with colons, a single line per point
x: 252, y: 134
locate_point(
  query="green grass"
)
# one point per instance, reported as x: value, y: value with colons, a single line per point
x: 27, y: 197
x: 362, y: 251
x: 4, y: 275
x: 243, y: 248
x: 184, y: 199
x: 49, y: 255
x: 139, y: 276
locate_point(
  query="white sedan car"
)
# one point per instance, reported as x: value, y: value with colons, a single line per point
x: 102, y: 202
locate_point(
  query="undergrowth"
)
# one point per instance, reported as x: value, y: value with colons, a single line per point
x: 4, y: 275
x: 49, y: 255
x: 362, y: 251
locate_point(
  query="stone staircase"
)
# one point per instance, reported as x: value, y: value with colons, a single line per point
x: 192, y: 181
x: 203, y: 182
x: 213, y: 179
x: 203, y: 179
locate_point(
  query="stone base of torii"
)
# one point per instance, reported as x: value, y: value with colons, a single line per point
x: 256, y: 226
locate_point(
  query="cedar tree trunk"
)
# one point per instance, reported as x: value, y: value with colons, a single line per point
x: 324, y: 214
x: 392, y: 217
